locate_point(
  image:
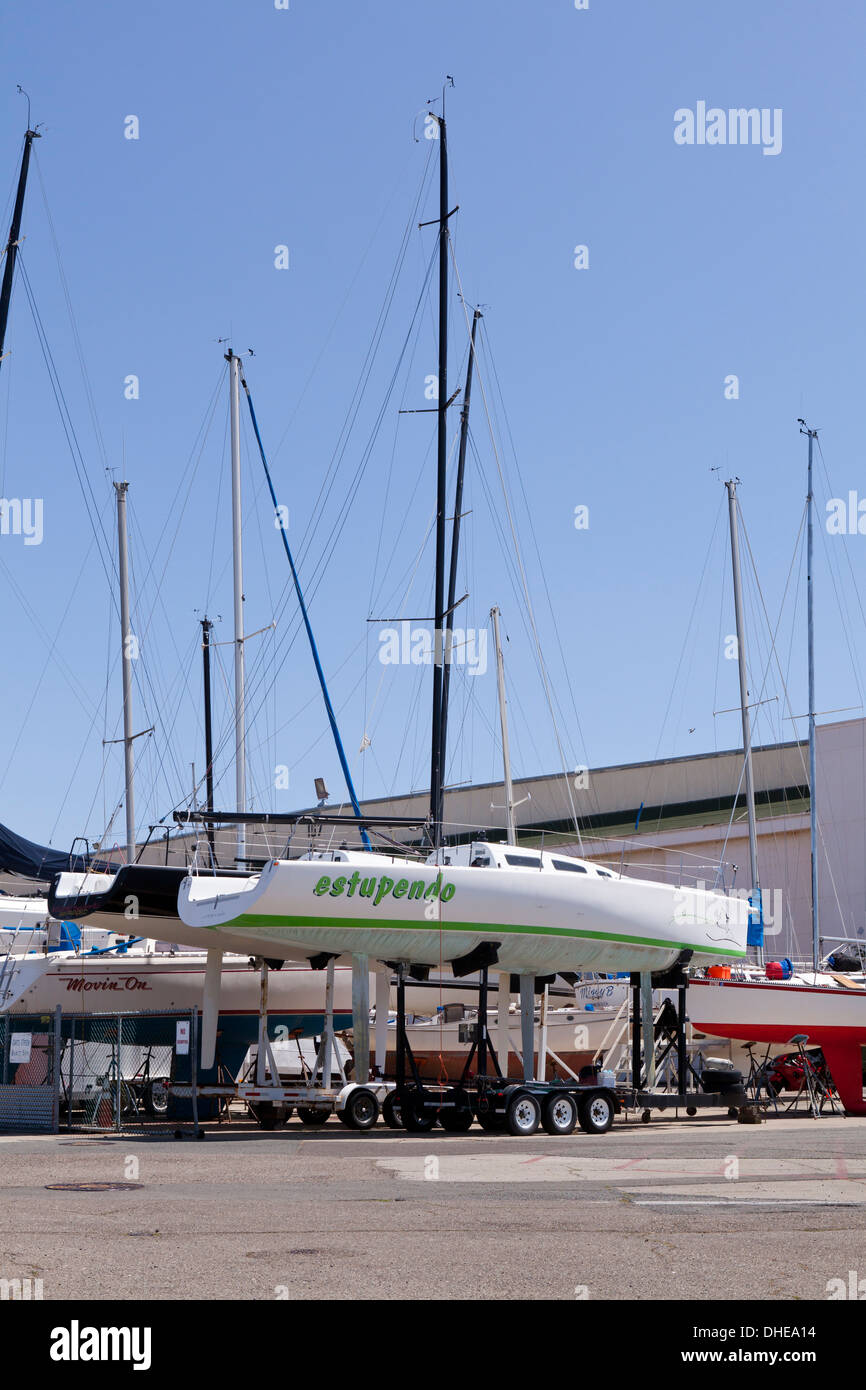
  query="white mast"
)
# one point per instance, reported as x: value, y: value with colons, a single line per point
x: 503, y: 719
x: 744, y: 693
x: 237, y: 558
x: 126, y: 656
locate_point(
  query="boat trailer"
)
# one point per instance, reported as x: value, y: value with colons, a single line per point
x: 498, y: 1103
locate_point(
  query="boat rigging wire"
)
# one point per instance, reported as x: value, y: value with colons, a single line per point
x: 527, y: 600
x: 788, y: 703
x: 103, y: 547
x: 82, y: 361
x: 255, y: 677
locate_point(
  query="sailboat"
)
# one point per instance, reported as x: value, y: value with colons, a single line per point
x: 471, y: 905
x: 774, y: 1004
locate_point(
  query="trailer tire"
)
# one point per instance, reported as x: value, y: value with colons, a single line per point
x: 595, y: 1113
x: 308, y: 1115
x: 490, y: 1121
x: 156, y: 1099
x: 391, y: 1112
x: 268, y: 1116
x: 459, y: 1119
x: 523, y: 1115
x: 416, y: 1116
x: 418, y: 1122
x: 559, y: 1114
x: 362, y: 1108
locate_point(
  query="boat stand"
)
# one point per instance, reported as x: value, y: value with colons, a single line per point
x: 322, y: 1093
x: 481, y: 1041
x: 265, y: 1061
x: 416, y: 1104
x: 668, y: 1034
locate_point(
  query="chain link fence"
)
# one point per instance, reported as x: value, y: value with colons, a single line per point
x: 108, y: 1072
x: 29, y: 1072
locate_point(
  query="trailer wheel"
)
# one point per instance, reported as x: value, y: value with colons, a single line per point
x: 523, y: 1115
x: 418, y: 1120
x: 691, y: 1110
x: 156, y: 1098
x: 457, y: 1120
x: 362, y: 1109
x: 490, y: 1121
x: 559, y: 1115
x: 269, y: 1116
x: 391, y: 1113
x: 646, y: 1117
x: 310, y: 1116
x: 595, y: 1113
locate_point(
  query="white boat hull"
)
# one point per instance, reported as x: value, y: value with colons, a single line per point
x: 154, y: 981
x: 160, y: 981
x: 389, y: 909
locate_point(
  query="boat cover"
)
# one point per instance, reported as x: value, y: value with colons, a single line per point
x: 20, y: 856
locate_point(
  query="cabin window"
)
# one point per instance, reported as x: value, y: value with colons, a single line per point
x: 523, y: 861
x: 603, y: 873
x: 570, y: 864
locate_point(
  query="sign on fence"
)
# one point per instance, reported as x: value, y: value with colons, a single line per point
x: 20, y: 1045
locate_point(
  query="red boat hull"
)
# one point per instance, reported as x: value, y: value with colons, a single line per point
x: 774, y: 1012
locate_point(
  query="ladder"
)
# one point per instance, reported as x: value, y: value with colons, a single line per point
x: 615, y: 1047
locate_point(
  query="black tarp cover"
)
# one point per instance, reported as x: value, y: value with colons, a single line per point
x: 20, y: 856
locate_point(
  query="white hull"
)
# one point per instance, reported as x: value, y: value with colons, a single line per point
x: 158, y: 980
x: 23, y: 922
x: 390, y: 909
x: 162, y: 981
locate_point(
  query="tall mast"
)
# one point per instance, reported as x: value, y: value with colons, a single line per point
x: 744, y: 695
x: 813, y: 806
x: 436, y: 769
x: 14, y: 237
x: 238, y: 574
x: 503, y: 720
x: 455, y: 550
x: 206, y: 629
x: 126, y: 665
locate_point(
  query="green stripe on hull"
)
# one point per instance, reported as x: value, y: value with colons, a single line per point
x: 500, y: 928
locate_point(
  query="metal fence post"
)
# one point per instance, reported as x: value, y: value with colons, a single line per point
x: 70, y: 1092
x: 193, y: 1068
x: 55, y: 1070
x: 119, y: 1084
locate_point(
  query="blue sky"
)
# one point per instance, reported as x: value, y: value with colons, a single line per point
x: 261, y: 127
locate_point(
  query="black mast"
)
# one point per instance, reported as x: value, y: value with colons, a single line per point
x: 206, y: 628
x: 436, y: 769
x: 14, y: 236
x: 455, y: 546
